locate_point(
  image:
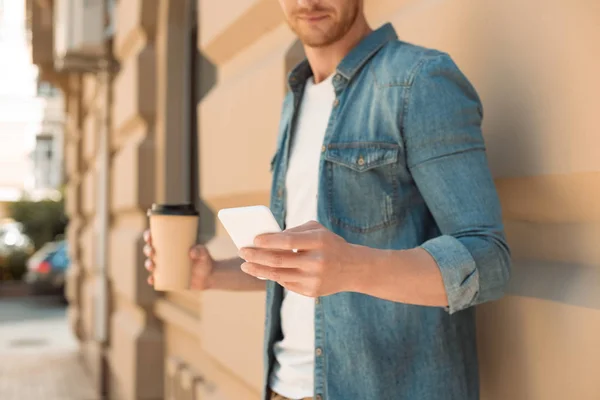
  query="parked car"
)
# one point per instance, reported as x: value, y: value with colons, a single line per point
x: 47, y: 269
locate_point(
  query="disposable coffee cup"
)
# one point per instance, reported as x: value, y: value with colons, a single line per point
x: 174, y: 228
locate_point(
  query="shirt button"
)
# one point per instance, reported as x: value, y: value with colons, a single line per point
x: 361, y: 161
x: 318, y: 397
x: 323, y: 148
x: 336, y: 102
x: 280, y: 193
x: 317, y: 301
x: 319, y: 352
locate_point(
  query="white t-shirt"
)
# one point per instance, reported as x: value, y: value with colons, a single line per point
x: 293, y: 373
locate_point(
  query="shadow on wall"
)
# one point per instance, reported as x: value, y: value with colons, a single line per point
x: 509, y: 128
x: 208, y: 76
x: 205, y: 80
x: 293, y: 56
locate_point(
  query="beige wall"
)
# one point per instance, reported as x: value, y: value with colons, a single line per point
x: 532, y: 65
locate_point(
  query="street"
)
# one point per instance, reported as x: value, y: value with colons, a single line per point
x: 38, y: 353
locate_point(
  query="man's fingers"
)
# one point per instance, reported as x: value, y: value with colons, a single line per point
x: 290, y: 240
x: 273, y: 274
x: 148, y: 237
x: 308, y: 226
x: 198, y: 253
x: 149, y: 265
x: 273, y: 258
x: 148, y: 251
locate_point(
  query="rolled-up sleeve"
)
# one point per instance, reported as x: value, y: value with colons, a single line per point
x: 446, y: 156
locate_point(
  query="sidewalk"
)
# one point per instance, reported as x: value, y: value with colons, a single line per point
x: 38, y: 354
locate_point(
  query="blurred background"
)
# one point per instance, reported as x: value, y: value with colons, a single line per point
x: 108, y: 106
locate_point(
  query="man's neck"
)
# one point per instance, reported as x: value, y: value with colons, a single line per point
x: 324, y: 60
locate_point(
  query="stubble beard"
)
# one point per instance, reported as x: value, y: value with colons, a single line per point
x: 333, y: 33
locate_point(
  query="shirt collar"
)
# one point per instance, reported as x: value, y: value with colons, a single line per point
x: 353, y: 61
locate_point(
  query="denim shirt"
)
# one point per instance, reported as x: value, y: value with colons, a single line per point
x: 403, y: 165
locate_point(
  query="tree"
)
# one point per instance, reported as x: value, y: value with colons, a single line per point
x: 42, y: 220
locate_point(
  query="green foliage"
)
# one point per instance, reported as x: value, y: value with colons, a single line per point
x: 42, y: 220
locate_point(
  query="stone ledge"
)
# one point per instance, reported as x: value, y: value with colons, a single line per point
x: 170, y: 313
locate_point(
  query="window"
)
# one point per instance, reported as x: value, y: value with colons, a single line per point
x: 45, y: 89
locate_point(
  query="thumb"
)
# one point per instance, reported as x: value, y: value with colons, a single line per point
x: 307, y: 226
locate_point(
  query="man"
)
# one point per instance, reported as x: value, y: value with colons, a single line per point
x: 380, y: 142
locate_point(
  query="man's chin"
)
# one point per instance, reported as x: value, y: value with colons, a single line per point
x: 316, y: 41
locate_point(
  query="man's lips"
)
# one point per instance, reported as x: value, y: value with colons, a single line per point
x: 313, y: 18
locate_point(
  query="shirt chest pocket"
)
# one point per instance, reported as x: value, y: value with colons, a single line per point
x: 362, y: 185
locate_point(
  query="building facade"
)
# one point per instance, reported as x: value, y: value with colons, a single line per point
x: 20, y: 110
x: 194, y: 94
x: 48, y: 152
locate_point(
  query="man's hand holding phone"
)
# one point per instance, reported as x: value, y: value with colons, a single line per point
x: 323, y: 264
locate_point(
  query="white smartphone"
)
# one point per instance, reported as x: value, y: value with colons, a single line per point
x: 243, y: 224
